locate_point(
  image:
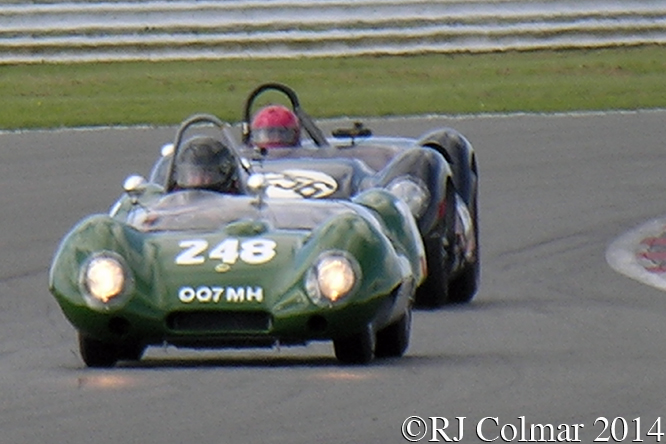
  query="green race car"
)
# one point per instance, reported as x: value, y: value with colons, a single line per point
x: 201, y: 268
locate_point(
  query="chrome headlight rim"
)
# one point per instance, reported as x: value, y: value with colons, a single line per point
x: 413, y: 191
x: 312, y: 280
x: 111, y: 301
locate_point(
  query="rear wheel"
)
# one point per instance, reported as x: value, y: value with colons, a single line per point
x: 357, y: 348
x: 96, y: 353
x: 393, y: 340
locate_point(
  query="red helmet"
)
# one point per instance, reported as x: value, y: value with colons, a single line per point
x: 275, y: 126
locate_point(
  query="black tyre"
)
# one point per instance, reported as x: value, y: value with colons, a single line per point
x: 464, y: 286
x: 356, y: 349
x: 96, y: 353
x: 132, y: 351
x: 434, y: 292
x: 393, y: 340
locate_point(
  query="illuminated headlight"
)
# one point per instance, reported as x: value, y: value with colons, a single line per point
x: 332, y: 278
x: 104, y: 279
x: 413, y: 192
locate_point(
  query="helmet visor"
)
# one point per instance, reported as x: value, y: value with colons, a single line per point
x: 275, y: 136
x: 189, y: 175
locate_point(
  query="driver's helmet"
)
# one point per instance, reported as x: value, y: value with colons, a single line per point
x: 275, y: 126
x: 206, y: 163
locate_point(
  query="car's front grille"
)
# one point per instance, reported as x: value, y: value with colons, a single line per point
x: 219, y: 321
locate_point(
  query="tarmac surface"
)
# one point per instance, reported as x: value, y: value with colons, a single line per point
x: 555, y: 336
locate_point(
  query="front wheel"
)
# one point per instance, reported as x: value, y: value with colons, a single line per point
x: 393, y: 340
x: 434, y: 292
x: 357, y: 348
x: 97, y: 354
x: 132, y: 351
x: 464, y: 287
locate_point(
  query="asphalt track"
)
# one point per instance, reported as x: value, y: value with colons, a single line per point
x: 555, y: 335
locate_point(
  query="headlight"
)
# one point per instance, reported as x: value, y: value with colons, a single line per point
x: 332, y: 278
x: 103, y: 278
x: 413, y: 192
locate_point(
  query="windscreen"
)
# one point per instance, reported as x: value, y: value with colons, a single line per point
x: 199, y: 210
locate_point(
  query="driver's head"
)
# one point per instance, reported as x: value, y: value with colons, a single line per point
x: 275, y: 126
x: 205, y: 163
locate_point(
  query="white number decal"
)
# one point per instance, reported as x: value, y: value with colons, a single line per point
x: 227, y: 251
x: 253, y: 251
x: 193, y: 250
x: 257, y: 251
x: 296, y: 183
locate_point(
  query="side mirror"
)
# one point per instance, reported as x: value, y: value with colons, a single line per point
x: 257, y: 186
x: 167, y: 149
x: 135, y: 186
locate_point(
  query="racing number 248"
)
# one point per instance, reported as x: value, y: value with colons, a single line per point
x: 252, y: 251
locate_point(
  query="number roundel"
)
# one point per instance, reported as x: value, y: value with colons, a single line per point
x: 229, y: 251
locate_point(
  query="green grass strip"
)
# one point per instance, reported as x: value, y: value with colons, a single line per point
x: 129, y: 93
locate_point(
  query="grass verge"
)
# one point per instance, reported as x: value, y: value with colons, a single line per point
x: 128, y: 93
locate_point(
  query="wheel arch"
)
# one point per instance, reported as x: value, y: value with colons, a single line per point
x: 459, y: 154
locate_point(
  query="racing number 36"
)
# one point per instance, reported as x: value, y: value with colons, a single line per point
x: 252, y: 251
